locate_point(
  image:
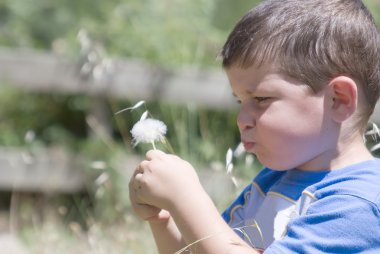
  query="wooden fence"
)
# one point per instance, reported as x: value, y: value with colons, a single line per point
x: 130, y: 79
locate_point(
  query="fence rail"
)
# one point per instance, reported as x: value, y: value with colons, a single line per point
x: 131, y: 79
x: 47, y: 170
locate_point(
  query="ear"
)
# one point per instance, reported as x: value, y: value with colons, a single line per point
x: 344, y: 97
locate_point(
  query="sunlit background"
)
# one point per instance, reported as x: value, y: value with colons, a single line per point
x: 66, y: 68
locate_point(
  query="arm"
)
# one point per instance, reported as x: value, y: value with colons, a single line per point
x: 166, y: 234
x: 201, y: 224
x: 167, y: 182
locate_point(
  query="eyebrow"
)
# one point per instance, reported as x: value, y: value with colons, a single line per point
x: 246, y: 91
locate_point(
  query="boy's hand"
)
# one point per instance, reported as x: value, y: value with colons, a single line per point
x: 144, y: 211
x: 164, y: 181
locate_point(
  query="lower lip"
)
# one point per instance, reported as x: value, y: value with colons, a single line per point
x: 248, y: 145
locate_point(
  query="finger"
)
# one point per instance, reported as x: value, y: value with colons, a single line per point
x: 147, y: 212
x: 137, y: 181
x: 133, y: 182
x: 138, y: 170
x: 139, y: 178
x: 143, y: 210
x: 162, y: 215
x: 144, y: 165
x: 152, y: 154
x: 133, y: 195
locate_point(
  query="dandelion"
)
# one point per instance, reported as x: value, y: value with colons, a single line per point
x: 148, y: 130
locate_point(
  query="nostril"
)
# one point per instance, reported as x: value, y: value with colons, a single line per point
x: 245, y: 119
x: 246, y: 125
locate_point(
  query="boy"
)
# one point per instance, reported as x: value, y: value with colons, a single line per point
x: 306, y: 73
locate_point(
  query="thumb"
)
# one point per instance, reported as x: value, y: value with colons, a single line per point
x: 147, y: 212
x: 162, y: 215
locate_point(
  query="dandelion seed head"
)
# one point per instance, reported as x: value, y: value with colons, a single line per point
x: 148, y: 130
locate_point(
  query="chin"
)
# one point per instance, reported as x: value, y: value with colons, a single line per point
x: 279, y: 168
x: 275, y: 166
x: 278, y: 161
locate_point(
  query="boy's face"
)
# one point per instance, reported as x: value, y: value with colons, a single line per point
x: 282, y: 121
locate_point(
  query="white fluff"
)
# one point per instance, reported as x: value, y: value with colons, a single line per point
x: 148, y: 130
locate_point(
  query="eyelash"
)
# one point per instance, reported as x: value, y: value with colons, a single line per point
x: 258, y: 99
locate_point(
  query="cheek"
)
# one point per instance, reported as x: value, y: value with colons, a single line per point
x: 293, y: 124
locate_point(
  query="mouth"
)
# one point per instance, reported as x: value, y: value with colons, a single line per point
x: 248, y: 145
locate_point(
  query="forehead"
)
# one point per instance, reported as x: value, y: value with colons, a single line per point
x: 251, y: 76
x: 266, y: 78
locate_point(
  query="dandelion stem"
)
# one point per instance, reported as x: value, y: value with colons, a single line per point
x: 154, y: 146
x: 168, y: 145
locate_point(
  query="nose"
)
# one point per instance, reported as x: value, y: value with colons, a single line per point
x: 245, y: 118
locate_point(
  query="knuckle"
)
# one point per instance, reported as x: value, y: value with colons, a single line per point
x: 150, y: 154
x: 144, y: 164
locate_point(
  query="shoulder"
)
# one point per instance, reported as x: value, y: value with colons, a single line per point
x: 334, y: 224
x: 340, y: 213
x: 360, y: 181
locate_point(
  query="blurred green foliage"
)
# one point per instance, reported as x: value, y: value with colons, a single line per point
x: 52, y: 117
x: 166, y: 32
x: 374, y: 7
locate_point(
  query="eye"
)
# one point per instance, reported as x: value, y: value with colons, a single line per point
x: 237, y: 99
x: 261, y: 99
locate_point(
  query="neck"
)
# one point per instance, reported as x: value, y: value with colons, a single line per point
x: 350, y: 151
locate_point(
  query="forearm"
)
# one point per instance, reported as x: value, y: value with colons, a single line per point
x: 204, y: 230
x: 167, y: 236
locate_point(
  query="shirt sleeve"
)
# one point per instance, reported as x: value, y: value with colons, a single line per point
x: 234, y: 214
x: 334, y: 224
x: 245, y: 206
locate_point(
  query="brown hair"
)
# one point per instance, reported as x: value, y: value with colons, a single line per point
x: 312, y: 41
